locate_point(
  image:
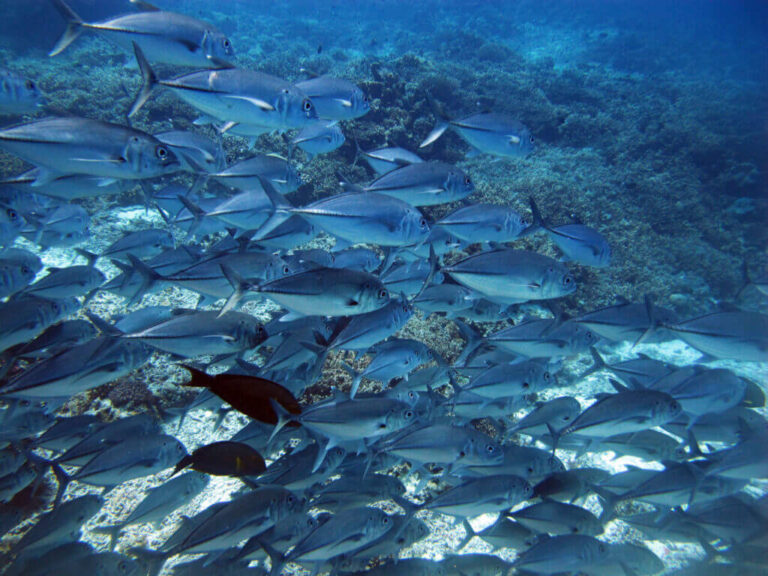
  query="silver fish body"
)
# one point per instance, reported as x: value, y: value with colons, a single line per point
x: 166, y: 37
x: 484, y: 223
x: 510, y: 276
x: 245, y: 174
x: 424, y: 184
x: 234, y: 96
x: 83, y: 146
x: 488, y: 133
x: 328, y: 292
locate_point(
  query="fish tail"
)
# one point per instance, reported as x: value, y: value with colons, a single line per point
x: 473, y: 339
x: 63, y: 479
x: 470, y: 533
x: 74, y: 27
x: 153, y: 560
x: 276, y: 558
x: 283, y: 417
x: 358, y: 150
x: 608, y: 501
x: 538, y: 219
x: 555, y: 435
x: 149, y: 80
x: 653, y: 322
x: 90, y: 256
x: 441, y: 124
x: 597, y: 365
x: 239, y: 285
x: 183, y: 463
x: 356, y: 379
x: 746, y: 281
x: 437, y: 131
x: 113, y: 532
x: 199, y: 379
x: 432, y: 270
x: 149, y: 277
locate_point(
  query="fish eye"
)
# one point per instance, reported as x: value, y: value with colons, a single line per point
x: 226, y: 43
x: 490, y: 449
x: 566, y: 418
x: 567, y: 280
x: 547, y: 376
x: 409, y: 414
x: 307, y: 105
x: 286, y: 270
x: 526, y: 385
x: 12, y: 214
x: 601, y: 547
x: 467, y: 180
x: 29, y: 84
x: 382, y: 293
x: 162, y: 153
x: 530, y: 469
x: 531, y: 139
x: 385, y: 520
x: 423, y: 222
x: 26, y: 269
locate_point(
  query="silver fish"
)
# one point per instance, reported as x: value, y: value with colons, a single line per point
x: 233, y: 96
x: 68, y: 186
x: 79, y: 368
x: 203, y: 332
x: 512, y: 276
x: 166, y: 37
x: 142, y: 244
x: 625, y: 412
x: 18, y: 269
x: 160, y: 502
x: 344, y: 533
x: 555, y: 517
x: 367, y: 218
x: 84, y: 146
x: 579, y: 243
x: 246, y: 174
x: 484, y: 223
x: 60, y: 525
x: 135, y: 457
x: 566, y: 553
x: 25, y: 318
x: 735, y: 335
x: 424, y: 184
x: 320, y: 291
x: 488, y: 133
x: 483, y: 495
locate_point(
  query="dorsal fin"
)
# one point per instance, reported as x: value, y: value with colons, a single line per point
x: 145, y: 6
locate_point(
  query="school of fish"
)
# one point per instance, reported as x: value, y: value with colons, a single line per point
x: 336, y: 480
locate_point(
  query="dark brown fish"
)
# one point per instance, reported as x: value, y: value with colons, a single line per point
x: 224, y: 459
x: 247, y: 394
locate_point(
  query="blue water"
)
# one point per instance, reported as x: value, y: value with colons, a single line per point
x: 650, y: 121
